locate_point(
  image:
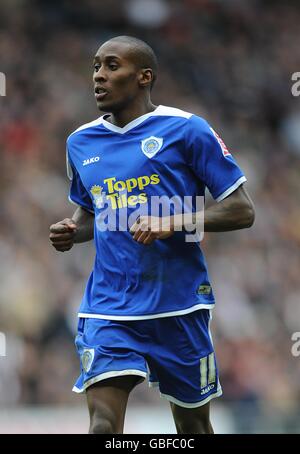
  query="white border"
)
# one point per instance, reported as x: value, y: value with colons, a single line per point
x: 116, y: 373
x: 91, y: 124
x: 130, y: 125
x: 192, y: 405
x: 231, y: 189
x: 147, y: 317
x: 159, y: 111
x: 68, y: 165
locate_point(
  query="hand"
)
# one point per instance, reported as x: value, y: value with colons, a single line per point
x: 62, y: 234
x: 149, y: 228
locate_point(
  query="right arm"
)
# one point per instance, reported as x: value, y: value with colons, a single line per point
x: 85, y: 225
x: 79, y: 229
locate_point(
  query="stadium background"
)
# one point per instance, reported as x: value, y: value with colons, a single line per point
x: 229, y: 61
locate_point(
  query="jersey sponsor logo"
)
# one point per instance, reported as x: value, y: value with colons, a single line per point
x: 118, y: 191
x: 87, y: 358
x: 91, y: 160
x: 151, y: 146
x: 225, y: 150
x: 96, y: 192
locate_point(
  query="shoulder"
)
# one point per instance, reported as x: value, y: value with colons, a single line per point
x: 82, y: 129
x: 193, y: 121
x: 167, y: 111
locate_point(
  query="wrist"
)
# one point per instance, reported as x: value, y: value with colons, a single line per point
x: 176, y: 222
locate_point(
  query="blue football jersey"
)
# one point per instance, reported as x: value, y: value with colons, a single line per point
x: 166, y: 152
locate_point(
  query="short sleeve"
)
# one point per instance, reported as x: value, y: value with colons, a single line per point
x: 78, y: 193
x: 210, y: 159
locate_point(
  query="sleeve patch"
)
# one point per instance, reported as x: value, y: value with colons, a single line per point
x: 225, y: 150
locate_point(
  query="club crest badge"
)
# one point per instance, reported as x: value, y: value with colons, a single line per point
x: 151, y: 146
x: 87, y: 358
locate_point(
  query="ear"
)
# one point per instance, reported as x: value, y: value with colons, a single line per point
x: 145, y: 77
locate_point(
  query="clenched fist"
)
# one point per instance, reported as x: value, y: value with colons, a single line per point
x: 62, y: 234
x: 150, y: 228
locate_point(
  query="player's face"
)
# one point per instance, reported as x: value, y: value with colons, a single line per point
x: 116, y: 78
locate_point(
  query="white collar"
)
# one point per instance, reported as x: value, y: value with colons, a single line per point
x: 132, y: 124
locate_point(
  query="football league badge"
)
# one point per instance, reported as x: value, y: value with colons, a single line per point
x: 225, y: 150
x: 151, y: 146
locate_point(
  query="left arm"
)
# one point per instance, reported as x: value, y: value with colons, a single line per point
x: 233, y: 213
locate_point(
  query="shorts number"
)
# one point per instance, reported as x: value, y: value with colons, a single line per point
x: 207, y: 370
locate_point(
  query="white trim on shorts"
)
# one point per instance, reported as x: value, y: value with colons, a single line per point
x: 115, y: 373
x: 172, y: 399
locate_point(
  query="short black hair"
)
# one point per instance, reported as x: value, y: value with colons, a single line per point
x: 144, y: 55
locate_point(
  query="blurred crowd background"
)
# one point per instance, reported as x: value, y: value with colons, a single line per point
x: 228, y: 61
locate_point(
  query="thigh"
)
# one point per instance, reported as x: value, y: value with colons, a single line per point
x: 192, y: 420
x: 107, y: 349
x: 107, y: 402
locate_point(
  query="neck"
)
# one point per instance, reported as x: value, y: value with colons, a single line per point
x: 136, y: 109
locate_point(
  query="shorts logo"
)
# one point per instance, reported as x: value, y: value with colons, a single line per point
x: 151, y: 146
x: 208, y: 373
x: 207, y: 389
x: 87, y: 358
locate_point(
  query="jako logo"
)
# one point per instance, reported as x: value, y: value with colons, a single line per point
x: 91, y: 160
x: 207, y: 389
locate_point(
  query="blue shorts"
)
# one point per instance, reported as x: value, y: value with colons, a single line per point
x: 176, y: 353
